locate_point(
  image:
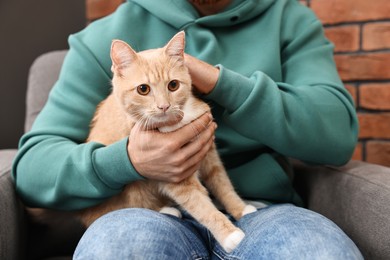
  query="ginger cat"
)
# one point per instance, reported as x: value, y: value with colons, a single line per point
x: 154, y: 86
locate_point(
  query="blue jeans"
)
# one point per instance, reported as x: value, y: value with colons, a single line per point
x: 275, y: 232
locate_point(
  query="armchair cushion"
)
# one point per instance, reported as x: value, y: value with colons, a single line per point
x: 356, y: 197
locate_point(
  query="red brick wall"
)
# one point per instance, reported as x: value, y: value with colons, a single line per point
x: 360, y: 30
x: 99, y: 8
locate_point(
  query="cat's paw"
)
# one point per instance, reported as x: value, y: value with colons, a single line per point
x: 248, y: 209
x: 232, y: 240
x: 171, y: 211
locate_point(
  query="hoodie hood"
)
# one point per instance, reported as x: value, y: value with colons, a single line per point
x: 180, y: 13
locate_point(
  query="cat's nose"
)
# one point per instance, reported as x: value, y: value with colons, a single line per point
x: 164, y: 107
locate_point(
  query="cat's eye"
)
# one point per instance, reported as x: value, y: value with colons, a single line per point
x: 143, y: 89
x: 173, y: 85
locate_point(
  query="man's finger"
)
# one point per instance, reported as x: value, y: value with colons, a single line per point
x: 192, y: 130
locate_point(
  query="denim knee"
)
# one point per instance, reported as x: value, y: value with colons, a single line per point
x: 138, y: 234
x: 290, y: 232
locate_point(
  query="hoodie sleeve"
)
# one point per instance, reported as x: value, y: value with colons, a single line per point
x: 309, y: 116
x: 55, y: 168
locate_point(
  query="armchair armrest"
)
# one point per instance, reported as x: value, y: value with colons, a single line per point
x: 12, y: 215
x: 356, y: 197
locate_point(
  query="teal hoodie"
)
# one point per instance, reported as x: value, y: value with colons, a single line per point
x: 278, y: 96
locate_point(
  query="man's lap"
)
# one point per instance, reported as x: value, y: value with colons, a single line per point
x: 275, y: 232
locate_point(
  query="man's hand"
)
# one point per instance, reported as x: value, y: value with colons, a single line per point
x: 204, y: 76
x: 173, y: 156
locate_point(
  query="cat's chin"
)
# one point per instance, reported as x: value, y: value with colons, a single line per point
x: 163, y: 120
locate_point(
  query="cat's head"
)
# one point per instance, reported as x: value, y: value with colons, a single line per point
x: 152, y: 86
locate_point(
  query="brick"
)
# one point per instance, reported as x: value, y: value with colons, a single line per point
x: 375, y: 96
x: 340, y: 11
x: 358, y: 153
x: 353, y: 91
x: 376, y: 36
x: 345, y: 38
x: 367, y: 66
x: 378, y: 152
x: 375, y: 125
x: 96, y: 9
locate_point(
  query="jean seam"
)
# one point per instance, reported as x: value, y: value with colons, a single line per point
x: 193, y: 251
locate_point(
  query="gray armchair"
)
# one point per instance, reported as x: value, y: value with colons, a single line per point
x: 356, y: 196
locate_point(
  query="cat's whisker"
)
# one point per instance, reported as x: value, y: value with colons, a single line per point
x: 147, y: 126
x: 141, y: 126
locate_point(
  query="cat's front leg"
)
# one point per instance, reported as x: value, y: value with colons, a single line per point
x: 214, y: 176
x: 191, y: 195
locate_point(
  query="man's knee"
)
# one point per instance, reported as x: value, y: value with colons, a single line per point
x: 132, y: 233
x: 290, y: 231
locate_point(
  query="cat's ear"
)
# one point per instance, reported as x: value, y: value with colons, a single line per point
x: 122, y: 55
x: 175, y: 47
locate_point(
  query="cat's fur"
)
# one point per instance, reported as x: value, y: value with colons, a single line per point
x: 117, y: 114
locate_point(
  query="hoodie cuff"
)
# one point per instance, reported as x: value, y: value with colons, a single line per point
x: 231, y: 90
x: 112, y: 165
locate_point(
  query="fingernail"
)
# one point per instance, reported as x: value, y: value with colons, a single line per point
x: 210, y: 116
x: 212, y: 124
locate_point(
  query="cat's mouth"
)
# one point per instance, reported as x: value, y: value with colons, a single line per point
x: 163, y: 119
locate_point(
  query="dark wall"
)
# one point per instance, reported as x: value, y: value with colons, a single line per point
x: 28, y: 29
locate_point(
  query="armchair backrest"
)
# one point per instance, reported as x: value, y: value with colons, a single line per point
x: 42, y: 76
x: 45, y: 69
